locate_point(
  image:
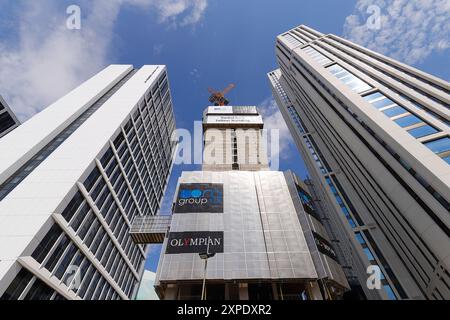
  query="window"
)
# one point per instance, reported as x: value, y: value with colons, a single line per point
x: 423, y: 131
x: 389, y: 292
x: 385, y: 102
x: 47, y: 243
x: 391, y: 109
x: 374, y: 96
x: 39, y: 291
x: 349, y: 79
x: 369, y: 254
x: 408, y: 121
x: 439, y: 146
x: 316, y: 55
x: 446, y: 159
x: 360, y: 238
x: 394, y: 111
x: 17, y: 286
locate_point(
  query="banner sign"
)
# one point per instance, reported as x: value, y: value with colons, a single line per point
x: 199, y: 197
x: 195, y: 242
x: 324, y: 246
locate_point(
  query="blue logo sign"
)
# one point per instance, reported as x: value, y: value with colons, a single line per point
x: 199, y: 197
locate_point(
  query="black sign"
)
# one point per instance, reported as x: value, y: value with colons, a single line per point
x: 324, y: 246
x: 195, y: 242
x: 199, y: 197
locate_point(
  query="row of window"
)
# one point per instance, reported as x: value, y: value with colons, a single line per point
x: 316, y: 55
x: 331, y: 180
x: 67, y: 263
x: 349, y: 79
x: 412, y: 123
x: 296, y: 119
x: 294, y: 41
x: 402, y: 95
x: 392, y: 75
x: 400, y: 115
x: 316, y: 155
x: 26, y: 286
x: 393, y: 153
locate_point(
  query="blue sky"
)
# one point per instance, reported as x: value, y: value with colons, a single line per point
x: 204, y: 43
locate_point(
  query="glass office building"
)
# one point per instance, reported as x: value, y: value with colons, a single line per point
x: 374, y: 134
x: 72, y: 179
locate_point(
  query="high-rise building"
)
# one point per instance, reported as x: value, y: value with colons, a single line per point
x: 8, y: 120
x: 260, y: 226
x: 73, y: 177
x: 374, y: 134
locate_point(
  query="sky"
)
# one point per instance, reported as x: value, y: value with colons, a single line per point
x: 204, y: 43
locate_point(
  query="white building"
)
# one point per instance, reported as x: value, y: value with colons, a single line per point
x: 74, y: 176
x: 374, y: 134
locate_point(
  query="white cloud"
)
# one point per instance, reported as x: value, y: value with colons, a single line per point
x: 157, y: 49
x: 44, y: 60
x: 273, y: 119
x: 410, y: 30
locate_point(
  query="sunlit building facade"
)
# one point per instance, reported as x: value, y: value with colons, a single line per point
x: 72, y: 179
x: 374, y: 134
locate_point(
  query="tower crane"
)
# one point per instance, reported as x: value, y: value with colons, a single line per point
x: 218, y: 98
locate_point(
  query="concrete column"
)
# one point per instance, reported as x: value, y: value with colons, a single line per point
x: 171, y: 292
x: 243, y: 291
x: 275, y: 291
x: 314, y: 291
x: 227, y: 291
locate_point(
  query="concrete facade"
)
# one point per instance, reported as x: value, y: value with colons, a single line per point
x: 374, y: 134
x: 74, y: 176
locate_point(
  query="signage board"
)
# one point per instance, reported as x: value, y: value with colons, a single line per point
x: 324, y: 246
x: 195, y: 242
x: 234, y: 119
x: 199, y: 197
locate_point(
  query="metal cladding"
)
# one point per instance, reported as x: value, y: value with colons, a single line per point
x: 262, y: 236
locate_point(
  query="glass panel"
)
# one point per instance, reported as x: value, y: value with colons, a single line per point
x: 383, y: 103
x: 389, y: 292
x: 408, y: 121
x: 373, y: 96
x: 422, y: 131
x: 360, y: 238
x: 447, y: 159
x: 440, y: 145
x: 395, y: 111
x: 368, y: 254
x: 335, y: 68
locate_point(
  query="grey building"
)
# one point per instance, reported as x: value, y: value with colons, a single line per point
x: 374, y: 134
x: 74, y: 176
x: 8, y: 120
x: 260, y: 224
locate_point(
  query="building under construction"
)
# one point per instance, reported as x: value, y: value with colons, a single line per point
x: 240, y: 231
